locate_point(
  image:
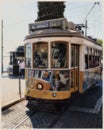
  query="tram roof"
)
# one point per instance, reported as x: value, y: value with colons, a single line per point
x: 55, y: 32
x: 59, y: 27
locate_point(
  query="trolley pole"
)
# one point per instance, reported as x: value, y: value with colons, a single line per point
x: 1, y: 46
x: 86, y: 28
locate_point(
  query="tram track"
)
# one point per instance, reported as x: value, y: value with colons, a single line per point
x: 39, y: 120
x: 26, y: 117
x: 18, y: 116
x: 13, y: 115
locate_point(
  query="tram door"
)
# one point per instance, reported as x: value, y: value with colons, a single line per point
x: 74, y: 67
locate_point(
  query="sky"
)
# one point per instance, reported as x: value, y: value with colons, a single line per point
x: 17, y: 14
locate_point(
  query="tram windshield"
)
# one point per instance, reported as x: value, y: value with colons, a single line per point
x: 41, y: 55
x: 59, y: 55
x: 49, y: 64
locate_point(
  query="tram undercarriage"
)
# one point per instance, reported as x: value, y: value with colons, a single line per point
x: 47, y: 105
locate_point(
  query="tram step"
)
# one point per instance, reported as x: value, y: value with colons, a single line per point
x: 41, y: 106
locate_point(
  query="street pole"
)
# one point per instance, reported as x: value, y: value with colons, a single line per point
x: 19, y: 85
x: 1, y: 46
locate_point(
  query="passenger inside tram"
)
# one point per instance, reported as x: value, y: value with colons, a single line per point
x: 59, y: 55
x: 59, y: 80
x: 40, y: 55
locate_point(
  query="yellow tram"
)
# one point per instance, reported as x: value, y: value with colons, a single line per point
x: 59, y: 61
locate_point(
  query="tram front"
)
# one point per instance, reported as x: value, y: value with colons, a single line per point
x: 47, y: 61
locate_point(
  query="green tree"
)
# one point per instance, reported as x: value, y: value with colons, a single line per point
x: 50, y: 10
x: 100, y: 41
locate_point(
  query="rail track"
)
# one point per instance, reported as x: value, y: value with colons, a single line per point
x: 19, y: 117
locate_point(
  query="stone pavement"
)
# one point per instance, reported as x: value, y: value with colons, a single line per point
x: 10, y: 91
x: 85, y: 110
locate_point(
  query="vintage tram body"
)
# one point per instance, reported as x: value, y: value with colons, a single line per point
x: 59, y: 61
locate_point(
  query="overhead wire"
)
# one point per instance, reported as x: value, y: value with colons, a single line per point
x: 96, y: 3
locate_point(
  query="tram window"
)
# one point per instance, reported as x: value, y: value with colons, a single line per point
x: 37, y: 73
x: 76, y: 55
x: 94, y: 61
x: 90, y: 61
x: 28, y: 55
x: 99, y: 58
x: 86, y: 57
x: 40, y: 55
x: 86, y: 61
x: 72, y: 79
x: 60, y: 80
x: 92, y: 58
x: 59, y: 55
x: 72, y: 56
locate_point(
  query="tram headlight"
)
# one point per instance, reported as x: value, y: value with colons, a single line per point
x: 54, y: 94
x: 39, y: 86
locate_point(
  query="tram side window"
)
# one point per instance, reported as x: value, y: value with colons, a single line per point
x: 40, y: 55
x: 59, y: 55
x: 72, y: 57
x: 92, y: 58
x: 28, y: 55
x: 99, y: 55
x: 76, y: 55
x: 86, y: 61
x: 90, y: 61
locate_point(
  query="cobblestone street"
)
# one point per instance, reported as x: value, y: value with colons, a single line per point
x: 84, y: 111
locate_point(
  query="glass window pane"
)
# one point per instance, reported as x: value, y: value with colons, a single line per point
x: 28, y: 55
x: 86, y: 61
x: 76, y: 56
x: 59, y: 55
x: 72, y: 56
x: 58, y: 80
x: 41, y: 55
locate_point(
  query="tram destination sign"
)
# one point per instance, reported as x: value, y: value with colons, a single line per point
x: 60, y: 23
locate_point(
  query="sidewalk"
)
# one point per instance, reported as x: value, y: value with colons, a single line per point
x: 10, y: 91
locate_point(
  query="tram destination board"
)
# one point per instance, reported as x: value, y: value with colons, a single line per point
x: 60, y: 23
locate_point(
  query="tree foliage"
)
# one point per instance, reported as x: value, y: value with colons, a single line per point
x: 100, y: 41
x: 50, y: 10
